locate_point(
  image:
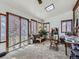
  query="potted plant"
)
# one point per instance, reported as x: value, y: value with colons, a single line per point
x: 69, y: 33
x: 43, y: 33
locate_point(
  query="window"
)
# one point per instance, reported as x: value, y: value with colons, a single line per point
x: 47, y: 26
x: 17, y: 31
x: 2, y: 28
x: 2, y: 33
x: 66, y: 26
x: 33, y: 26
x: 40, y: 26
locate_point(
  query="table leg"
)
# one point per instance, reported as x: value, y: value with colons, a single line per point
x: 65, y: 48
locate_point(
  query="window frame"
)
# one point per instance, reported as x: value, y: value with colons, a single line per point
x: 66, y: 25
x: 7, y: 30
x: 47, y: 23
x: 1, y: 14
x: 31, y: 26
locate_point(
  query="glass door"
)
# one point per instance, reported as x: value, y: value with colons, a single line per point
x: 17, y: 31
x: 47, y: 27
x: 24, y: 32
x: 13, y: 32
x: 2, y: 33
x: 33, y: 27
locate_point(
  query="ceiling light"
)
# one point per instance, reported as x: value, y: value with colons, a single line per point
x: 50, y: 7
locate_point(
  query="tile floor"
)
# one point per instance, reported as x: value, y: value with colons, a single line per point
x: 2, y: 47
x: 37, y: 51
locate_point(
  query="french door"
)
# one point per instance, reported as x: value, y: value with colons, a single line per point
x: 2, y: 33
x: 33, y: 27
x: 17, y: 31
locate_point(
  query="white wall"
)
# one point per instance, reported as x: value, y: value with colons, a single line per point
x: 56, y: 21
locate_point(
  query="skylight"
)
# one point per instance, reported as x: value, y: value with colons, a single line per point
x: 50, y: 7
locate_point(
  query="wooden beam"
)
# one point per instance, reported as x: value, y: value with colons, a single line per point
x: 76, y: 6
x: 7, y: 32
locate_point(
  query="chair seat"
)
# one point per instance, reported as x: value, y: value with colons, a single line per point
x: 75, y: 52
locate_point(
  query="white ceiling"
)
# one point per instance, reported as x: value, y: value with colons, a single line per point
x: 33, y: 8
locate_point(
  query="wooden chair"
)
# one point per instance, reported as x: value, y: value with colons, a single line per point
x: 74, y: 52
x: 54, y: 40
x: 53, y: 43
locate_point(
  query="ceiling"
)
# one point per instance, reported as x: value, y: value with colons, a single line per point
x: 33, y: 8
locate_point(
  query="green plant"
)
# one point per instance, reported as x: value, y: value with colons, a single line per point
x: 69, y: 33
x: 42, y: 32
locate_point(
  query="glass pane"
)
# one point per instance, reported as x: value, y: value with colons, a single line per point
x: 2, y: 33
x: 35, y: 30
x: 3, y: 28
x: 14, y: 30
x: 39, y: 27
x: 63, y: 26
x: 33, y: 27
x: 24, y: 30
x: 69, y: 26
x: 45, y: 27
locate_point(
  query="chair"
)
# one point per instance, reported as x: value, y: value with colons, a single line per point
x: 75, y: 52
x: 62, y: 39
x: 54, y: 39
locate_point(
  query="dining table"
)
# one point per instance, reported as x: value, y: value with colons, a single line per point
x: 70, y: 40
